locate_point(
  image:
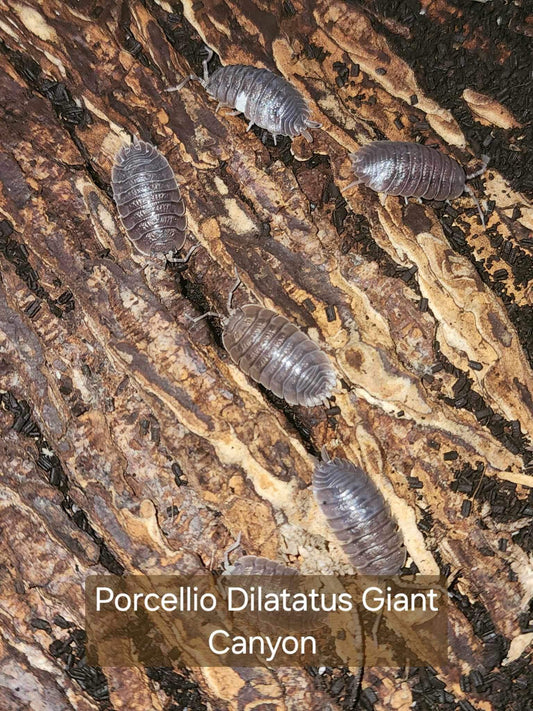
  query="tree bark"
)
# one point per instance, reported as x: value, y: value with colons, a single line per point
x: 132, y: 444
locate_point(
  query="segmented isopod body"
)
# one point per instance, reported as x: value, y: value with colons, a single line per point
x: 257, y: 565
x: 276, y: 578
x: 148, y: 199
x: 266, y: 99
x: 359, y: 517
x: 274, y: 352
x: 408, y: 169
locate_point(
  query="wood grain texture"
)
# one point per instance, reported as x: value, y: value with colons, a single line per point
x: 126, y: 393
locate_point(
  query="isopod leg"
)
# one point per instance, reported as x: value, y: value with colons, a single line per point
x: 307, y: 136
x: 249, y: 126
x: 222, y: 105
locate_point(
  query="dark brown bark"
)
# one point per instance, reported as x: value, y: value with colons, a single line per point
x: 126, y: 393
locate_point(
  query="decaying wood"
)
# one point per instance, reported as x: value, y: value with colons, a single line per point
x: 126, y: 394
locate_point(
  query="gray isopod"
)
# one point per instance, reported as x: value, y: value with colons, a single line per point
x: 411, y: 170
x: 359, y: 516
x: 275, y: 579
x: 266, y: 99
x: 253, y: 564
x: 274, y: 352
x: 257, y: 565
x: 148, y: 199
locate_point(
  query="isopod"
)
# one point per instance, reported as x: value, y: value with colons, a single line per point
x: 252, y: 564
x: 275, y: 579
x: 148, y: 199
x: 411, y: 170
x: 275, y: 353
x: 257, y: 565
x: 359, y: 516
x: 266, y: 99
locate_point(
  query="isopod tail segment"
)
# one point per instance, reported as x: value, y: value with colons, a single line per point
x: 305, y: 133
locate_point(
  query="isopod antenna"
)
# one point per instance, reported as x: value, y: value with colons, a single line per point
x: 195, y: 77
x: 468, y: 189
